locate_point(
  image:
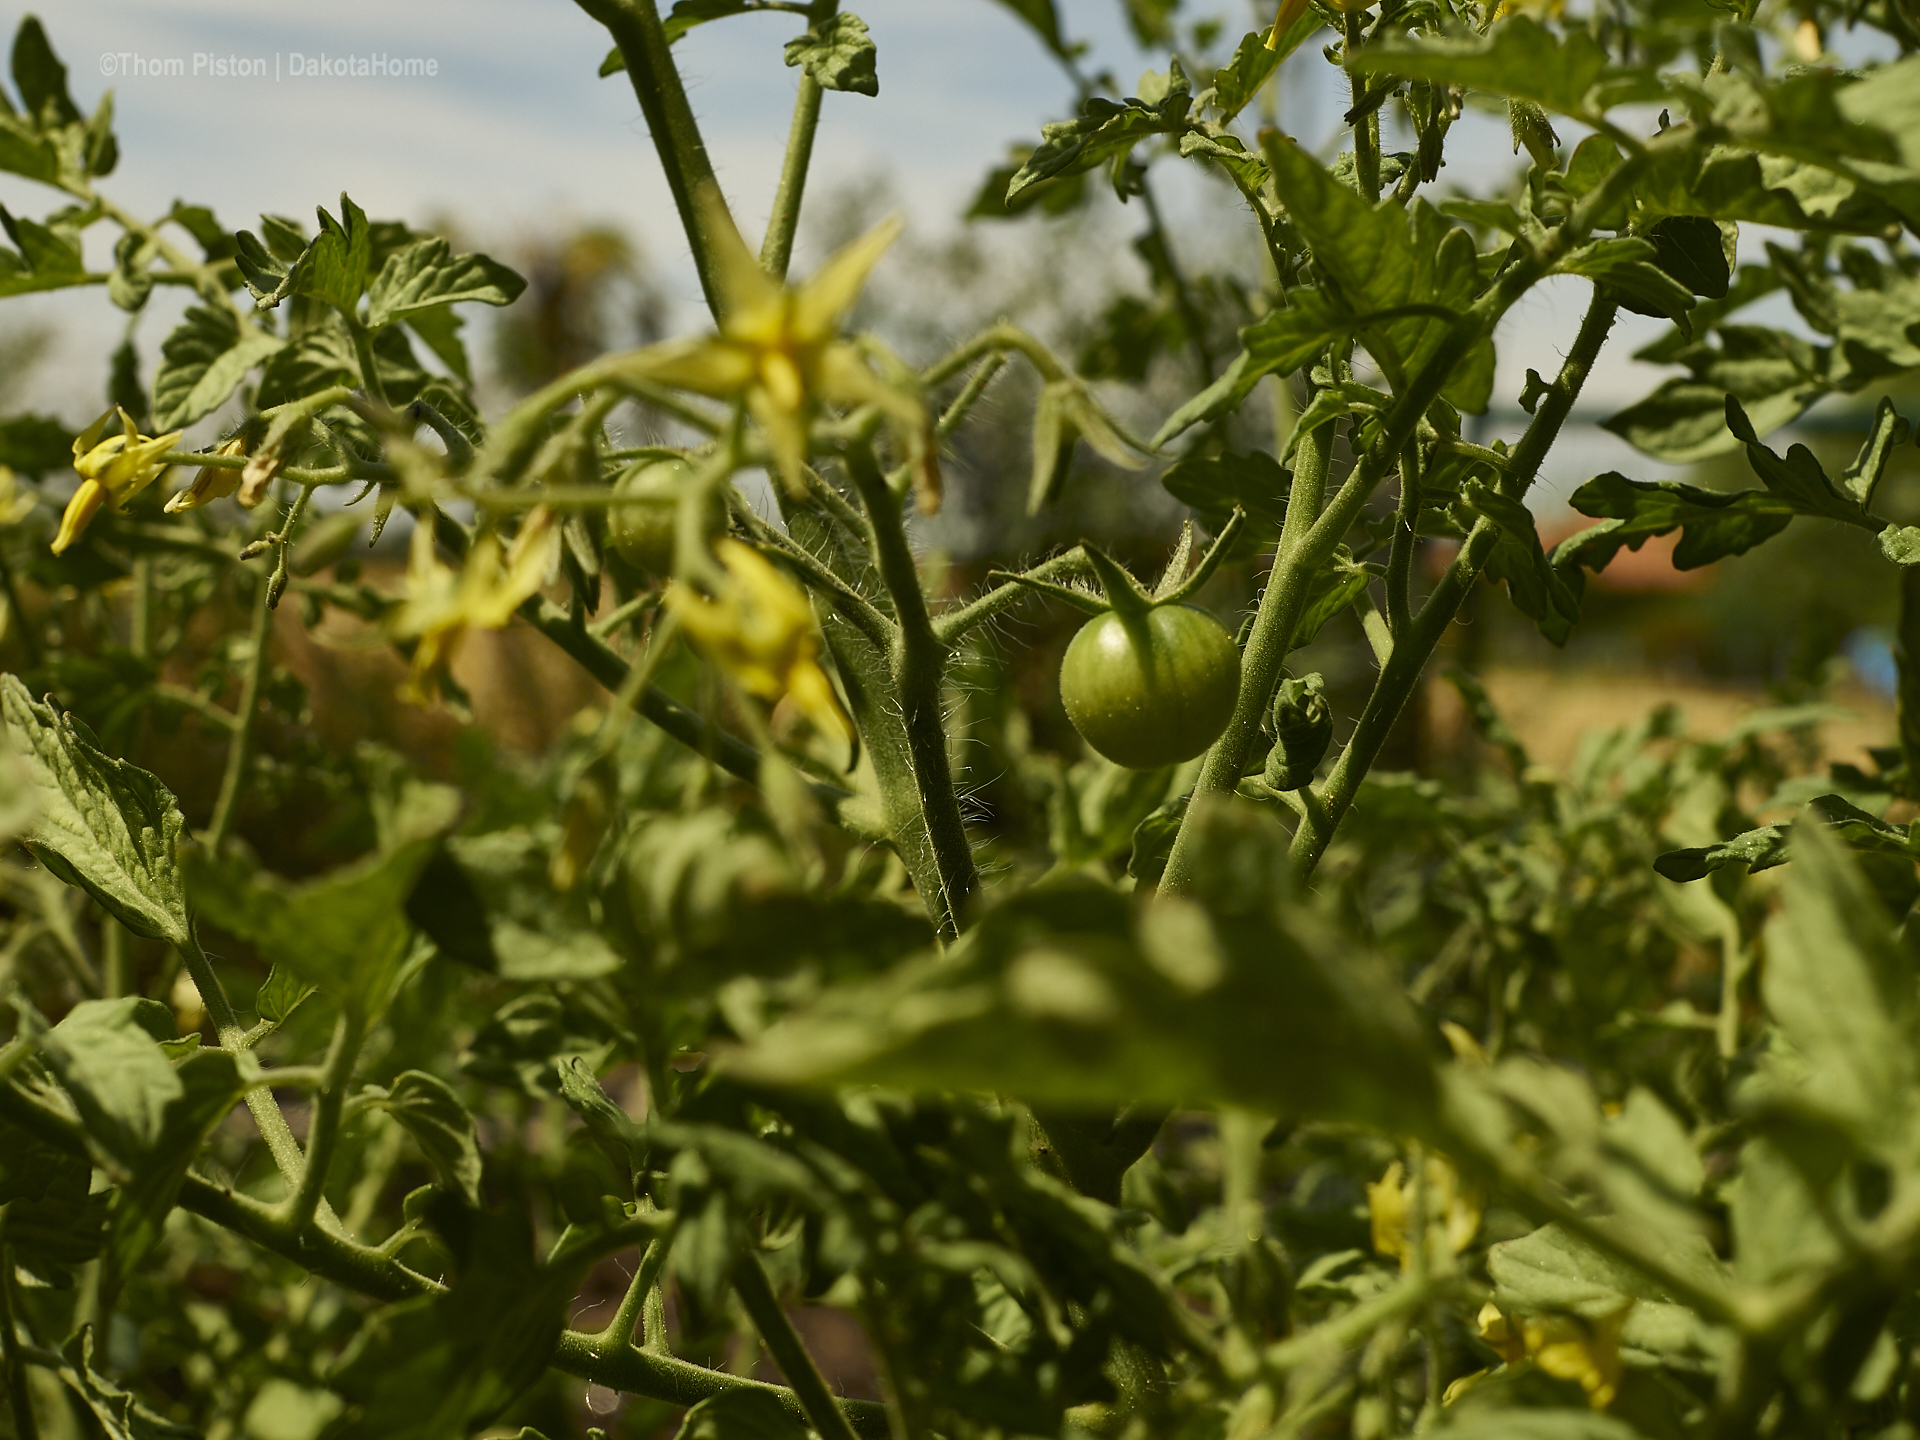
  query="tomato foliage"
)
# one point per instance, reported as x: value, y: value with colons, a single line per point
x: 801, y: 985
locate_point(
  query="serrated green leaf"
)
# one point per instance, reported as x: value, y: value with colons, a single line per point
x: 1713, y: 523
x: 346, y: 932
x: 1239, y: 80
x: 107, y: 1054
x: 104, y: 825
x: 202, y: 362
x: 40, y: 77
x: 1626, y: 264
x: 1538, y: 588
x: 335, y: 268
x: 280, y: 994
x: 24, y: 151
x: 1755, y: 850
x: 1799, y: 479
x: 427, y: 1108
x: 1518, y: 58
x: 1105, y: 130
x: 427, y: 275
x: 1835, y: 984
x: 839, y: 55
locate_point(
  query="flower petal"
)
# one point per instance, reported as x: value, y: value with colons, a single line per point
x: 81, y: 509
x: 821, y: 301
x: 748, y: 295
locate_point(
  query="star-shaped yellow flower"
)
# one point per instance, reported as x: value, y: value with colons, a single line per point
x: 443, y: 604
x: 1452, y: 1211
x: 779, y: 350
x: 758, y: 627
x: 112, y: 469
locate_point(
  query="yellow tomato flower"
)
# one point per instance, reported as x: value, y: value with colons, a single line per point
x: 1452, y: 1212
x: 112, y: 469
x: 1567, y: 1347
x: 778, y: 349
x: 214, y: 482
x: 443, y: 604
x: 758, y: 628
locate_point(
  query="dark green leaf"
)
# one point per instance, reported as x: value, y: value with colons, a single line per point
x: 1713, y: 523
x: 1518, y: 58
x: 1106, y: 129
x: 335, y: 268
x: 1694, y: 251
x: 108, y: 826
x: 1859, y: 480
x: 429, y: 1110
x: 839, y: 55
x: 741, y: 1414
x: 443, y: 1366
x: 1799, y: 479
x: 1239, y: 80
x: 1756, y: 850
x: 215, y: 242
x: 1537, y: 587
x: 280, y: 994
x: 427, y: 274
x: 1214, y: 485
x: 202, y: 362
x: 346, y: 932
x: 1835, y: 984
x: 35, y: 444
x: 120, y: 1416
x: 41, y: 78
x: 107, y: 1054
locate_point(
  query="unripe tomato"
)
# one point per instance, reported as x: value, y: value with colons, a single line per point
x: 1151, y: 689
x: 643, y: 529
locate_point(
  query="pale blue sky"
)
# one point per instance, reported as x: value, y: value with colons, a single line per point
x: 517, y: 135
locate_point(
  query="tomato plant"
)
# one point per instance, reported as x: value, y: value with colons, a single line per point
x: 805, y: 1035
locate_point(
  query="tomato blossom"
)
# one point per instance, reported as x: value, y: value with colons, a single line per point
x: 112, y: 469
x: 214, y: 482
x: 778, y: 350
x: 758, y: 628
x: 1452, y: 1212
x: 443, y: 604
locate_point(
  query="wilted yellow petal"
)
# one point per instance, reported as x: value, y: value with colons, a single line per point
x: 214, y: 482
x: 822, y: 301
x: 81, y: 509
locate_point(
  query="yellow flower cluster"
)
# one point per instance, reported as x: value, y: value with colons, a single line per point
x: 1567, y: 1347
x: 443, y: 604
x: 112, y: 469
x: 1452, y: 1211
x: 758, y: 627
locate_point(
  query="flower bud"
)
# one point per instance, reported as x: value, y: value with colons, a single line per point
x: 1303, y: 728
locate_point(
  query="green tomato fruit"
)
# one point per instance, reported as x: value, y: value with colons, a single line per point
x: 1153, y: 689
x: 642, y: 530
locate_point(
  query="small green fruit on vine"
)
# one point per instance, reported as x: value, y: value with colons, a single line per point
x: 1151, y: 689
x: 642, y: 526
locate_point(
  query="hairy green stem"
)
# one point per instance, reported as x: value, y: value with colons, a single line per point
x: 1366, y: 128
x: 619, y: 1332
x: 680, y: 1382
x: 1294, y: 564
x: 955, y: 625
x: 1412, y: 650
x: 918, y: 664
x: 240, y: 747
x: 636, y: 29
x: 789, y: 1352
x: 323, y: 1131
x: 776, y: 250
